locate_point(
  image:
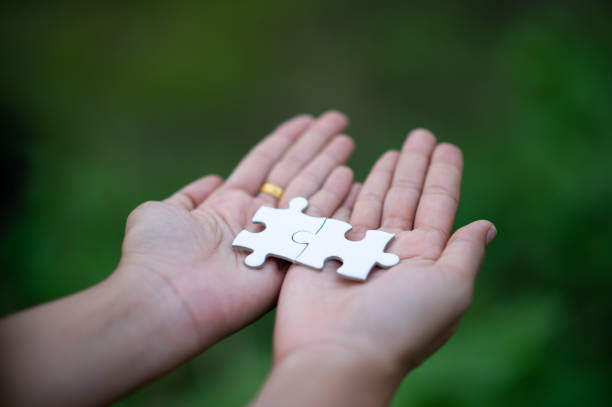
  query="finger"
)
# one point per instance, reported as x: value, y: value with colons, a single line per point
x: 440, y: 198
x: 403, y: 196
x: 303, y: 150
x: 334, y: 191
x: 192, y: 195
x: 343, y: 213
x: 465, y: 250
x: 253, y: 169
x: 310, y: 179
x: 369, y: 204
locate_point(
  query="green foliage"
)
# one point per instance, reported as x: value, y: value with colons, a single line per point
x: 106, y: 105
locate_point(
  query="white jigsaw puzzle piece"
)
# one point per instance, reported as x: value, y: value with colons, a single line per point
x: 358, y: 257
x: 276, y: 238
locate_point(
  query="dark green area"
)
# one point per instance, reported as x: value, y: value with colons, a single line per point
x: 109, y: 104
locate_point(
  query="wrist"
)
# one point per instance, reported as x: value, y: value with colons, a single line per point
x: 331, y: 374
x: 156, y: 313
x: 95, y: 345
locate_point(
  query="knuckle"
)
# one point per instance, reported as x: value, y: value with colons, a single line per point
x: 371, y: 197
x: 452, y: 168
x: 448, y: 150
x: 397, y: 222
x: 292, y: 161
x: 441, y: 191
x: 345, y: 140
x: 408, y: 185
x: 436, y: 233
x: 262, y: 154
x: 326, y: 159
x: 312, y: 176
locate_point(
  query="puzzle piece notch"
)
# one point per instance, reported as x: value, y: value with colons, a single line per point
x: 358, y: 257
x: 276, y: 238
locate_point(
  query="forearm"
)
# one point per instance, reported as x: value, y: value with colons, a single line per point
x: 93, y: 346
x: 329, y: 377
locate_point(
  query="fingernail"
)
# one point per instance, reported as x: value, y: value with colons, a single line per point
x: 491, y: 233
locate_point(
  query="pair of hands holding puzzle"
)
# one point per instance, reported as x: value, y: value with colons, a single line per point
x: 180, y: 286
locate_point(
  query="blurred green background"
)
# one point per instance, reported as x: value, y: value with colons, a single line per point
x: 105, y: 105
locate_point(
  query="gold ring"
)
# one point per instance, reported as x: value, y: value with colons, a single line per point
x: 272, y: 189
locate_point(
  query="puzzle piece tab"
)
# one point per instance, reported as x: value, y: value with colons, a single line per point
x: 358, y: 257
x: 276, y: 239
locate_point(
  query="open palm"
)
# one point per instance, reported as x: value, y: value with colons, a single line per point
x: 185, y: 241
x: 398, y: 316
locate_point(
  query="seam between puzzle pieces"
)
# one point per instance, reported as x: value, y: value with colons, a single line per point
x: 306, y: 245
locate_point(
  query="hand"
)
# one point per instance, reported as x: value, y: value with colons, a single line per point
x: 390, y: 323
x: 184, y: 242
x: 180, y: 286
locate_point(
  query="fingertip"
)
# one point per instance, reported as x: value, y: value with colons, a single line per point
x: 302, y: 117
x: 465, y: 250
x: 214, y: 179
x: 474, y: 232
x: 421, y: 132
x: 450, y: 153
x: 343, y: 172
x: 346, y: 140
x: 388, y: 158
x: 295, y: 125
x: 481, y: 224
x: 481, y: 230
x: 340, y: 148
x: 420, y: 137
x: 335, y: 115
x: 491, y: 234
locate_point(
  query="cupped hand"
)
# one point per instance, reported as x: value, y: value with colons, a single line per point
x: 185, y: 242
x: 401, y: 315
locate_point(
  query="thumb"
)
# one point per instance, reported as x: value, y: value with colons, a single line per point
x: 465, y: 249
x: 192, y: 195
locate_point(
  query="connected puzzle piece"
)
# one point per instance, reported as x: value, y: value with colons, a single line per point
x: 276, y: 239
x: 309, y: 240
x: 358, y: 257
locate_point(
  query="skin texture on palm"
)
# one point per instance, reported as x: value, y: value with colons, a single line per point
x: 400, y: 316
